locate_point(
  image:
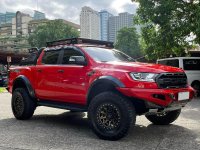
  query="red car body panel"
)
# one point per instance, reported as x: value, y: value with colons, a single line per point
x: 72, y: 83
x: 147, y: 94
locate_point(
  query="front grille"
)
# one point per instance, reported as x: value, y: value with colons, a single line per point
x: 172, y: 80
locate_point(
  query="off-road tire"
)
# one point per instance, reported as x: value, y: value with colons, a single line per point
x: 196, y: 86
x: 23, y: 106
x: 166, y: 119
x: 116, y: 106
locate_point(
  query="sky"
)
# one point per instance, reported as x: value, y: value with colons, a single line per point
x: 66, y: 9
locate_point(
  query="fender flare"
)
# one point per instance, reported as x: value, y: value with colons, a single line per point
x: 116, y: 82
x: 108, y: 79
x: 27, y: 83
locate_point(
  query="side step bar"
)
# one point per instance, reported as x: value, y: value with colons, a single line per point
x: 62, y: 105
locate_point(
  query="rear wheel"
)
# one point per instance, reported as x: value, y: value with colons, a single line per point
x: 23, y: 106
x: 164, y: 118
x: 196, y: 86
x: 111, y: 116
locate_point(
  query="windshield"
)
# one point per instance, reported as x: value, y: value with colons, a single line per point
x: 106, y: 55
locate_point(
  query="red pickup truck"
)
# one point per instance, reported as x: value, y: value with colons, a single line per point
x: 91, y: 76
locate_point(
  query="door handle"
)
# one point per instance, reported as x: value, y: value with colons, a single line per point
x: 39, y: 70
x: 60, y: 71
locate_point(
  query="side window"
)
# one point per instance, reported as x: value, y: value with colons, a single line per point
x: 191, y: 64
x: 162, y: 62
x: 50, y: 57
x: 172, y: 62
x: 68, y: 53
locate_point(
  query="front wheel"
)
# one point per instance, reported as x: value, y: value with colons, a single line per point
x: 111, y: 115
x: 164, y: 118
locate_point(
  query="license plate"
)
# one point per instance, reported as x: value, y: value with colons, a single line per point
x: 183, y: 96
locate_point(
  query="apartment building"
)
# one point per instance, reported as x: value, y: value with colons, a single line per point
x: 115, y: 23
x: 90, y: 23
x: 104, y: 16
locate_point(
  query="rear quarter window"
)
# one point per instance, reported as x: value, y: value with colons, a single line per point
x: 172, y: 62
x: 191, y: 64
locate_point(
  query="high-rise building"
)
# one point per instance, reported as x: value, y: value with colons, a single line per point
x: 115, y: 23
x: 90, y: 23
x: 20, y: 24
x: 104, y: 16
x: 6, y: 18
x: 38, y: 15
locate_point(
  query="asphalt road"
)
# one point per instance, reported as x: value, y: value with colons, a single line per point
x: 55, y: 129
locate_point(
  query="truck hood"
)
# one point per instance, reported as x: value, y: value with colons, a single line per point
x: 141, y: 67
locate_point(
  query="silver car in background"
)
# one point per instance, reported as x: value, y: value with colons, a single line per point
x: 191, y: 66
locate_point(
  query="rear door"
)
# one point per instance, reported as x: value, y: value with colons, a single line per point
x: 48, y: 76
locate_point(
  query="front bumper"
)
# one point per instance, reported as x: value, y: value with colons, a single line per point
x: 161, y: 97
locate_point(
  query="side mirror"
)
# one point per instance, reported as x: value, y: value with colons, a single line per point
x: 78, y: 60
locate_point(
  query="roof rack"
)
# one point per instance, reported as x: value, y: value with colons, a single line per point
x: 80, y: 41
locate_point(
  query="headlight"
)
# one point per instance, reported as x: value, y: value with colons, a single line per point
x: 148, y: 77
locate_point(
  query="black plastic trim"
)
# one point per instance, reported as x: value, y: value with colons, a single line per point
x: 79, y: 41
x: 27, y: 84
x: 108, y: 79
x: 62, y: 105
x: 115, y: 81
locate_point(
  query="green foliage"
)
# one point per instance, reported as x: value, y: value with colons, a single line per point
x: 2, y: 90
x: 50, y: 31
x: 166, y: 26
x: 128, y: 42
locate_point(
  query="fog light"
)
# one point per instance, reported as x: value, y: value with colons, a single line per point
x: 159, y: 96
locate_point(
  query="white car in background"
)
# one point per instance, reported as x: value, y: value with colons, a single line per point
x: 191, y: 66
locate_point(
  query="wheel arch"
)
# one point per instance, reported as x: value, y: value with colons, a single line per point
x: 23, y: 82
x: 102, y: 84
x: 194, y: 82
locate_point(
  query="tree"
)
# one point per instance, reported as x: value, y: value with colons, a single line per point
x: 170, y: 27
x: 128, y: 42
x: 50, y: 31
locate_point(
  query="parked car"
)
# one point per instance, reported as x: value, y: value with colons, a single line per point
x: 84, y: 75
x: 3, y: 76
x: 191, y: 66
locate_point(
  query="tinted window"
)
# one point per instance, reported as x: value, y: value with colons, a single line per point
x: 191, y: 64
x: 172, y: 62
x: 50, y: 57
x: 105, y: 55
x: 68, y: 53
x: 30, y: 59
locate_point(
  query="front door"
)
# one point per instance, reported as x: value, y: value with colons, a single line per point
x: 74, y: 79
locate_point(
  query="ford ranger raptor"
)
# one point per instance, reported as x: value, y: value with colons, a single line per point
x: 83, y: 75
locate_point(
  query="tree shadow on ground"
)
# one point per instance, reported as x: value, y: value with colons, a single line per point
x: 72, y: 126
